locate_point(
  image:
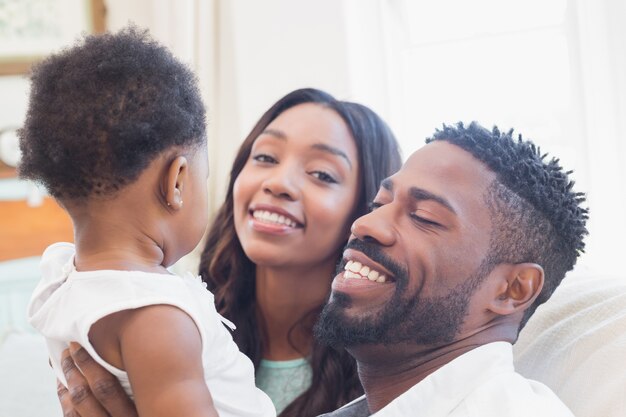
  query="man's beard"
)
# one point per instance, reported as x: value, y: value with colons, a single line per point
x: 405, y: 318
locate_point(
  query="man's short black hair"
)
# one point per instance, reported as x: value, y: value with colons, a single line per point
x: 536, y: 215
x: 102, y: 110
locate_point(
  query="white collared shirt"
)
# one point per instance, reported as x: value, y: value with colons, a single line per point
x: 479, y: 383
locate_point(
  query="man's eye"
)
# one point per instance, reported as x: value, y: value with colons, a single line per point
x: 373, y: 206
x: 324, y: 176
x: 264, y: 158
x: 424, y: 220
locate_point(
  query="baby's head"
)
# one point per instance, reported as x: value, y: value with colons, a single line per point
x: 104, y: 114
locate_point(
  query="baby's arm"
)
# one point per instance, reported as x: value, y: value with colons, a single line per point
x: 161, y: 350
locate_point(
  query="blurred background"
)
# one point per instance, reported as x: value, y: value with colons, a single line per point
x: 555, y: 70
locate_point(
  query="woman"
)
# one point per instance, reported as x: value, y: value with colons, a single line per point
x: 306, y: 171
x: 273, y: 285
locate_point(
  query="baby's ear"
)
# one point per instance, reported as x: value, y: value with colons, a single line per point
x: 517, y: 289
x: 174, y: 181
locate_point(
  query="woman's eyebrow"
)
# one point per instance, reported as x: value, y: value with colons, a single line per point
x: 332, y: 150
x: 279, y: 134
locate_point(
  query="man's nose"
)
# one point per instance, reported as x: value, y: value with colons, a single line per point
x: 283, y: 182
x: 375, y: 226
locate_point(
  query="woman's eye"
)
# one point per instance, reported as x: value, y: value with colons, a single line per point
x: 324, y: 176
x: 264, y: 158
x: 373, y: 206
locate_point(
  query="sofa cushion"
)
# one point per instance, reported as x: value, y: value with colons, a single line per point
x: 576, y: 344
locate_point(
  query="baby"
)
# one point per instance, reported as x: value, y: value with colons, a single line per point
x: 116, y: 132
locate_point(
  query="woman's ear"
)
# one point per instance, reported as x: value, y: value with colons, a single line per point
x: 174, y: 181
x: 518, y: 289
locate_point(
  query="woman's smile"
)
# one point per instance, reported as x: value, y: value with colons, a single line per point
x: 265, y: 218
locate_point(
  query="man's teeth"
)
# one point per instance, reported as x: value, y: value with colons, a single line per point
x: 269, y: 217
x: 356, y: 270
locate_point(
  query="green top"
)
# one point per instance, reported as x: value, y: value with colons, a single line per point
x: 284, y: 381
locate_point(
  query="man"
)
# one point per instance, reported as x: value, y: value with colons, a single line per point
x: 472, y: 234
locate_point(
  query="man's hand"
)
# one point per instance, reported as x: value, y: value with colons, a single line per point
x: 92, y: 391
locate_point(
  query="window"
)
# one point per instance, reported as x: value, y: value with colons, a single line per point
x: 552, y: 70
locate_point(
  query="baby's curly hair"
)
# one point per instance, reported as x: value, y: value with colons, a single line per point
x: 536, y: 215
x: 102, y: 110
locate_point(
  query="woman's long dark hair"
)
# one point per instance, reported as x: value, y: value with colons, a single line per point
x: 230, y: 274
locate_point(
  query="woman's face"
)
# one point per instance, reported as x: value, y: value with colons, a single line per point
x: 294, y: 198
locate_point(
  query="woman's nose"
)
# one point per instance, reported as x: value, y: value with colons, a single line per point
x: 282, y: 183
x: 375, y: 226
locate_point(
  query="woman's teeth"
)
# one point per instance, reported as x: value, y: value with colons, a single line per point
x: 356, y: 270
x: 269, y: 217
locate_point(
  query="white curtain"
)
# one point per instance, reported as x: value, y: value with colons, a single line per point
x: 602, y: 46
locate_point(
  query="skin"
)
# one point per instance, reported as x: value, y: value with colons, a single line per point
x: 150, y: 223
x: 304, y: 165
x: 147, y: 226
x: 437, y: 240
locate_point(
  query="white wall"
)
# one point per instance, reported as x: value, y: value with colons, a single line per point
x: 171, y: 22
x: 13, y: 100
x: 258, y: 51
x: 247, y: 54
x: 266, y: 49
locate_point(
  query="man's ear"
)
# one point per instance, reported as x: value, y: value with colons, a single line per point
x: 518, y: 289
x: 174, y: 182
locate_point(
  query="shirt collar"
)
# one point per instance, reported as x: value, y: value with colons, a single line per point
x: 440, y: 392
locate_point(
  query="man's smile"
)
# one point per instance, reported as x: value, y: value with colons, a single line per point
x: 359, y: 266
x: 356, y: 270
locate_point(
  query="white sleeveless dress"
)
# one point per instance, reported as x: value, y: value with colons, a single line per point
x: 66, y: 303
